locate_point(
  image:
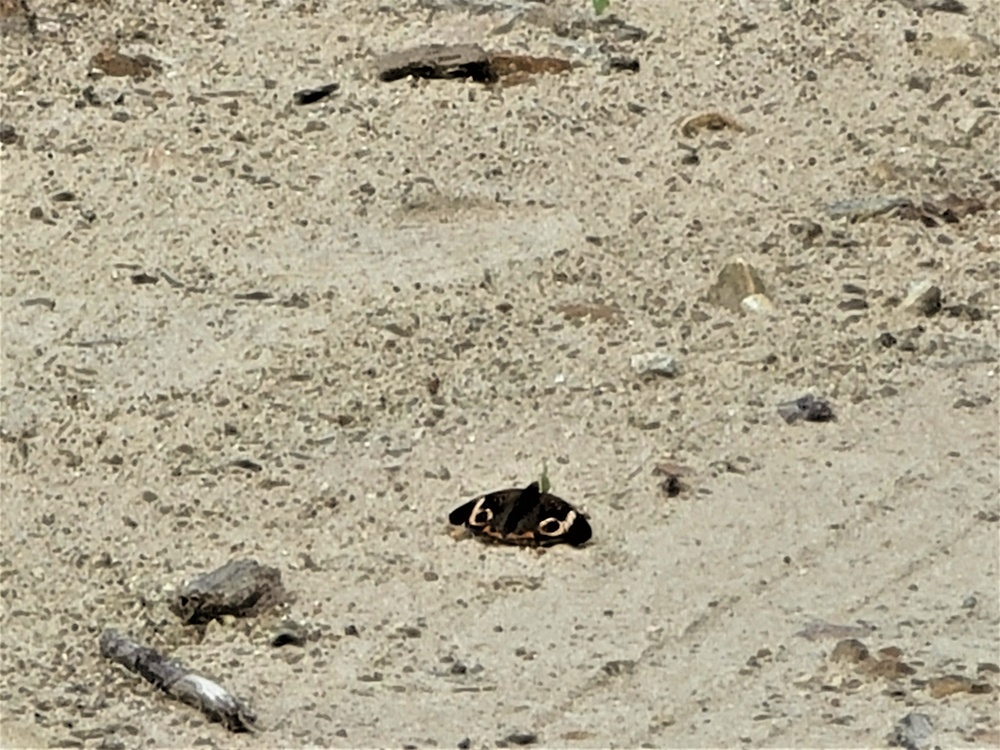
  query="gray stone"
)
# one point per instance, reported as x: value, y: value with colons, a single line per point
x: 656, y: 363
x: 912, y: 732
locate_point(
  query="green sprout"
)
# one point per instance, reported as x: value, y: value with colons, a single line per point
x: 601, y: 5
x: 545, y: 485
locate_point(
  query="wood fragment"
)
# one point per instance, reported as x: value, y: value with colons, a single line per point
x: 243, y: 588
x: 204, y: 694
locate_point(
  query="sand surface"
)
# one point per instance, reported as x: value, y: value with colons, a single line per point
x: 238, y: 327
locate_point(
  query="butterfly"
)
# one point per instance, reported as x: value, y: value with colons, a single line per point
x: 525, y: 517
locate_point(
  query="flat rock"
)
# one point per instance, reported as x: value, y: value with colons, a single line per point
x: 242, y: 588
x: 438, y: 61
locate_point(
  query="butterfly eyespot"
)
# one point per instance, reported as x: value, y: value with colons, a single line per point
x: 550, y: 527
x: 482, y: 517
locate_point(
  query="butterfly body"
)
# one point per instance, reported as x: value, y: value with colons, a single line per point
x: 524, y: 517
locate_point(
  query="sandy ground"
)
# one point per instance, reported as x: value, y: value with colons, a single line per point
x: 411, y: 293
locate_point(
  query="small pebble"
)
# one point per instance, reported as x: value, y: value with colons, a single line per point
x: 655, y: 363
x: 923, y: 298
x: 806, y: 408
x: 912, y: 732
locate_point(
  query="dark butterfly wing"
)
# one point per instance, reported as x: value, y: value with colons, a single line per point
x: 518, y: 516
x: 483, y: 511
x: 523, y: 517
x: 461, y: 515
x: 557, y: 521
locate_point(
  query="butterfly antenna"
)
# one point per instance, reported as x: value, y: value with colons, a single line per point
x: 545, y: 485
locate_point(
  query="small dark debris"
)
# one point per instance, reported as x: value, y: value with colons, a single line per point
x: 854, y: 303
x: 624, y: 64
x: 64, y: 196
x: 245, y: 463
x: 464, y: 744
x: 522, y: 738
x: 144, y: 278
x: 90, y: 97
x: 968, y: 403
x: 887, y: 340
x: 806, y: 408
x: 806, y: 229
x: 619, y: 667
x: 672, y: 486
x: 289, y: 634
x: 255, y: 296
x: 941, y: 6
x: 40, y: 302
x: 690, y: 157
x: 311, y: 96
x: 961, y: 310
x: 8, y: 134
x: 351, y: 630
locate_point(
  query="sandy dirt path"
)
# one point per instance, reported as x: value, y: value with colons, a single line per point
x: 233, y: 326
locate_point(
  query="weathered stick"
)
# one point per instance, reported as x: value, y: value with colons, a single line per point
x: 202, y: 693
